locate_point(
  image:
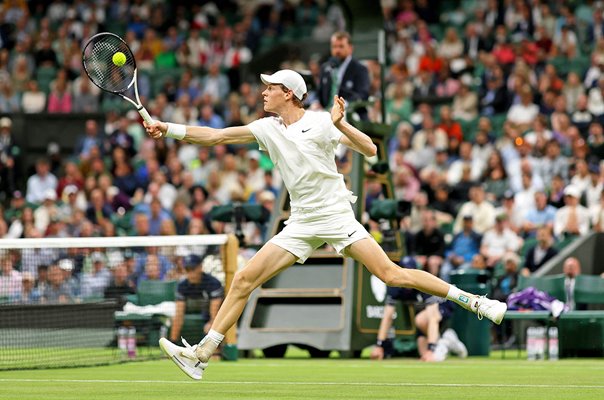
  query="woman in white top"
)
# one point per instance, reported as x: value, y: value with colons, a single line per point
x: 302, y: 145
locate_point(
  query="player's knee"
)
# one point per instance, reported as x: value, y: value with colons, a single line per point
x: 242, y: 284
x: 396, y: 277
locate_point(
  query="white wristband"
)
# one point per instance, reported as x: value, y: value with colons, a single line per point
x: 176, y: 131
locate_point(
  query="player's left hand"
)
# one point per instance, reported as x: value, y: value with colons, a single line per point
x: 337, y: 111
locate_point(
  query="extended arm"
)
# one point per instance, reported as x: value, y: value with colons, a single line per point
x: 353, y: 138
x: 202, y: 135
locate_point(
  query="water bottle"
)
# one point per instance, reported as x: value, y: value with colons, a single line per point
x: 122, y: 340
x: 553, y: 343
x: 531, y: 343
x: 132, y: 343
x: 540, y: 343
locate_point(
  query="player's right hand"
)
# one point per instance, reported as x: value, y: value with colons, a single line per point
x: 156, y: 130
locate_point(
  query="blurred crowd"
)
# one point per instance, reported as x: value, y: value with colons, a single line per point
x: 496, y: 110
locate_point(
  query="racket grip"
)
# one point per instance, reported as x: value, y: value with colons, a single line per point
x: 145, y: 114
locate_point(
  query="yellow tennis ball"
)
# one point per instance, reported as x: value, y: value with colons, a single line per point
x: 119, y: 59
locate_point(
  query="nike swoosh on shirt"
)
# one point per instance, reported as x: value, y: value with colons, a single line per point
x: 350, y: 234
x: 305, y: 130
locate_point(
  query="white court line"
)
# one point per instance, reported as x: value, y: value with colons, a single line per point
x: 396, y: 384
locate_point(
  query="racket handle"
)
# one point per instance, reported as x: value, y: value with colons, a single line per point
x: 145, y: 114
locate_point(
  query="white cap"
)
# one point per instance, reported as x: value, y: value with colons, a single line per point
x: 253, y: 155
x: 66, y: 264
x: 50, y: 194
x: 573, y: 191
x: 288, y: 78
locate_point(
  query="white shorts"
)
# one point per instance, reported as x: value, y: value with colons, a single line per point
x: 306, y: 231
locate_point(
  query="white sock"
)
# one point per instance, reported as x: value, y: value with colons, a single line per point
x: 215, y: 337
x: 462, y: 298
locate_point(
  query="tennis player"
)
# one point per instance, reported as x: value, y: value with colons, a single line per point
x: 301, y: 144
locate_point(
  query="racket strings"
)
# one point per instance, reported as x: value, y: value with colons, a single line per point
x: 98, y: 62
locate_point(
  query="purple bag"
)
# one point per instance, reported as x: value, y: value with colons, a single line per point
x: 536, y: 300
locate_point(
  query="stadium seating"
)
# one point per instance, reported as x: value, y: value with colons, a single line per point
x: 552, y: 285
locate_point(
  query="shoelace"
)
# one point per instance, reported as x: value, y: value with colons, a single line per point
x: 479, y: 312
x: 188, y: 347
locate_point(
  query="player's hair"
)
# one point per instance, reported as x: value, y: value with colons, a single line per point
x: 339, y: 35
x: 297, y: 102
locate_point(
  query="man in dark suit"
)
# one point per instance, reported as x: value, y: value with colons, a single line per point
x: 343, y: 75
x: 473, y: 43
x: 541, y: 253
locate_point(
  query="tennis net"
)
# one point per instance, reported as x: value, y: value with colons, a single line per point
x: 56, y: 310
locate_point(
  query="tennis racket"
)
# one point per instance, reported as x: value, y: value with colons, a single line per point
x: 98, y: 62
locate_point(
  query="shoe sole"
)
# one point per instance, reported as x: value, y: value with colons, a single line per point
x: 164, y: 345
x: 498, y: 320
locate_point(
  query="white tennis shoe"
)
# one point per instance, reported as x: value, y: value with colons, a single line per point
x: 492, y: 309
x: 184, y: 357
x: 455, y: 345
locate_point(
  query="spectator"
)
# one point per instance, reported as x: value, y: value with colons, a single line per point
x: 554, y: 163
x: 475, y: 165
x: 29, y: 293
x: 98, y: 212
x: 94, y: 282
x: 506, y: 284
x: 60, y: 100
x: 215, y: 84
x: 465, y: 102
x: 524, y: 113
x: 66, y: 266
x: 432, y: 347
x: 499, y: 241
x: 10, y: 278
x: 151, y: 270
x: 542, y: 214
x: 428, y: 245
x: 9, y: 157
x: 541, y: 252
x: 57, y: 290
x: 120, y: 286
x: 593, y: 189
x: 209, y: 118
x: 343, y: 75
x: 9, y: 98
x: 571, y: 269
x: 199, y: 293
x: 461, y: 250
x: 572, y: 219
x: 33, y: 100
x: 47, y: 211
x: 482, y: 211
x: 40, y: 182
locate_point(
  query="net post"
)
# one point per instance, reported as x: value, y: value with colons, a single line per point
x: 231, y: 252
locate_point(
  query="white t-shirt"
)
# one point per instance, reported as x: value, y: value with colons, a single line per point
x: 304, y: 155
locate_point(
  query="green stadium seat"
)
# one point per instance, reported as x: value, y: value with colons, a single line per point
x: 553, y: 285
x: 589, y: 289
x: 497, y: 122
x: 155, y: 292
x: 44, y: 76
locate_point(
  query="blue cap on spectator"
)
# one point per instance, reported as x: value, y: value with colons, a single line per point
x: 408, y: 262
x: 192, y: 261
